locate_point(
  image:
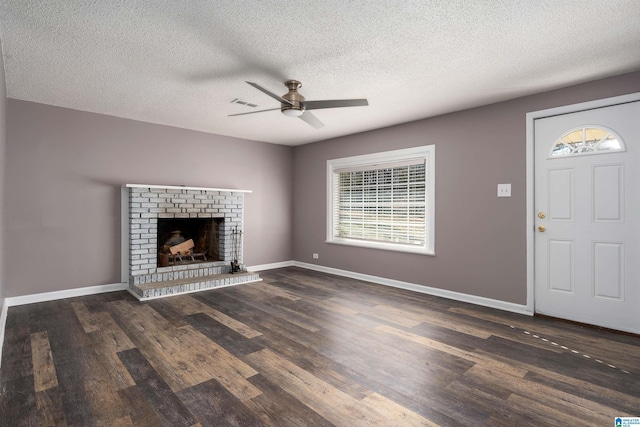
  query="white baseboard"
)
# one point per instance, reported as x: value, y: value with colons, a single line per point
x: 67, y: 293
x: 3, y: 324
x: 270, y: 266
x: 457, y: 296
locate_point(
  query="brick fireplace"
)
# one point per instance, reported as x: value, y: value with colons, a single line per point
x: 145, y: 206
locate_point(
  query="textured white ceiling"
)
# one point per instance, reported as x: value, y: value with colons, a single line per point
x: 181, y: 63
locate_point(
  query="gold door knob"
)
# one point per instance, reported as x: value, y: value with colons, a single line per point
x: 542, y: 215
x: 542, y: 228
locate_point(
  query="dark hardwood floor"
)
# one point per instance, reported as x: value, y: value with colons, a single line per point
x: 304, y: 348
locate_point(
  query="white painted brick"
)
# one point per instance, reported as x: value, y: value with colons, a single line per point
x: 138, y: 210
x: 175, y: 203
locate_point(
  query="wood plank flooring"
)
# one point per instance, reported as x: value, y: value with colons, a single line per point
x: 304, y: 348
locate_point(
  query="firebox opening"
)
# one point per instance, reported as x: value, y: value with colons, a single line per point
x: 205, y: 233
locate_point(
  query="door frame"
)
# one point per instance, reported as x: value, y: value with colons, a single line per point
x: 530, y: 171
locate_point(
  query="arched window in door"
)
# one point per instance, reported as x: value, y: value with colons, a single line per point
x: 587, y: 140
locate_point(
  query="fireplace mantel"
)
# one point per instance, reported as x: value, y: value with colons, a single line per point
x: 183, y: 187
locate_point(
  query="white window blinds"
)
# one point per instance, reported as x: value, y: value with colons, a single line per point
x: 381, y: 202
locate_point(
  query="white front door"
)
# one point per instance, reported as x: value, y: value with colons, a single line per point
x: 587, y: 202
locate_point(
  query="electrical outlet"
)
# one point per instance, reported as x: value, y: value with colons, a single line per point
x: 315, y: 256
x: 504, y: 190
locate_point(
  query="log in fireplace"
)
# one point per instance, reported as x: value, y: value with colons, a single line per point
x: 208, y: 241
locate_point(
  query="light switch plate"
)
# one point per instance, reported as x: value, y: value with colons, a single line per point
x: 504, y: 190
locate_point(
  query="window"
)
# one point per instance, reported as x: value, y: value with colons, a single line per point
x: 383, y: 200
x: 587, y: 140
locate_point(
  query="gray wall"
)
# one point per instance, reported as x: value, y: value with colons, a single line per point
x: 64, y: 170
x: 480, y: 240
x: 3, y: 147
x: 63, y: 177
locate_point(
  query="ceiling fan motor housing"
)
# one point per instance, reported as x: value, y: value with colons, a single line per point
x: 297, y: 107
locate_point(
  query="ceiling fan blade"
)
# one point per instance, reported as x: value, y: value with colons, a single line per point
x: 271, y: 94
x: 312, y: 120
x: 335, y: 103
x: 253, y: 112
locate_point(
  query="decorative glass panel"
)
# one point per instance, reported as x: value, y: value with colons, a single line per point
x: 587, y: 140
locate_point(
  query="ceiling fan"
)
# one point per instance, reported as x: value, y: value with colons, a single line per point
x: 294, y: 105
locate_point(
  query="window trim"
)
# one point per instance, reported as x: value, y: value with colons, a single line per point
x: 426, y: 152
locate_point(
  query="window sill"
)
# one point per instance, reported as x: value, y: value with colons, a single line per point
x: 382, y: 246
